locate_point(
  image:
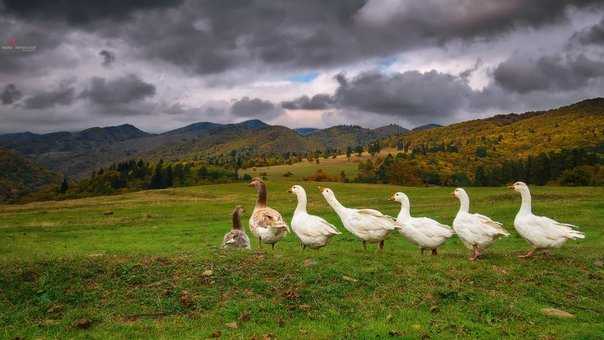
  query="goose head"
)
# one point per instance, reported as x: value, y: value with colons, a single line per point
x: 327, y: 193
x: 239, y: 210
x: 297, y: 190
x: 461, y: 194
x: 401, y: 198
x: 519, y: 186
x: 256, y: 182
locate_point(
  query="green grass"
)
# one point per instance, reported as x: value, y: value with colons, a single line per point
x: 139, y: 272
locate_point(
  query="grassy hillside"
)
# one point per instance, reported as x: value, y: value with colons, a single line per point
x: 148, y: 265
x: 19, y: 176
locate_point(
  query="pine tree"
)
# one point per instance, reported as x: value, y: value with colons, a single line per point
x: 157, y: 178
x: 64, y: 186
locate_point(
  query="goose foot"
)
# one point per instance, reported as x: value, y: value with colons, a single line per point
x: 529, y: 254
x: 475, y: 255
x: 434, y: 253
x: 381, y: 245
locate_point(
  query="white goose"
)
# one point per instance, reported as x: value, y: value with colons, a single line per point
x: 422, y: 231
x: 541, y: 232
x: 313, y: 231
x: 476, y: 231
x: 266, y: 223
x: 367, y: 224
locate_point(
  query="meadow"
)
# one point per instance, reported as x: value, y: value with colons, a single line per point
x: 148, y: 264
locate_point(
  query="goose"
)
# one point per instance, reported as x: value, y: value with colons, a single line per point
x: 476, y: 231
x: 313, y: 231
x: 236, y: 238
x: 540, y: 231
x: 369, y: 225
x: 266, y: 223
x: 422, y: 231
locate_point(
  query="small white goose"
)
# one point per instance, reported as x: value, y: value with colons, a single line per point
x: 313, y: 231
x: 266, y: 223
x: 422, y: 231
x: 369, y: 225
x: 476, y: 231
x: 541, y: 232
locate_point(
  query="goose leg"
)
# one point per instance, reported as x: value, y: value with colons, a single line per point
x: 260, y: 242
x: 381, y: 245
x: 476, y: 253
x: 365, y: 245
x: 273, y: 245
x: 434, y: 252
x: 303, y: 247
x: 422, y: 251
x: 529, y: 254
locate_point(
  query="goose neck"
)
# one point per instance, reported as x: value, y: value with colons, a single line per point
x: 236, y: 220
x: 525, y: 207
x: 262, y: 196
x: 301, y: 207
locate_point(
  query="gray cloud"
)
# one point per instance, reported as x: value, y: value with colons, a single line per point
x: 108, y: 57
x: 556, y: 73
x: 255, y: 107
x: 411, y: 95
x: 316, y: 102
x: 593, y: 35
x: 76, y: 12
x: 63, y: 95
x: 127, y: 89
x: 10, y: 94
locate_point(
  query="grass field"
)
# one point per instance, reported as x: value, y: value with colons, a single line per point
x: 147, y: 264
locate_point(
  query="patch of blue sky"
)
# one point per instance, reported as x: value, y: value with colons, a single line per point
x: 304, y: 77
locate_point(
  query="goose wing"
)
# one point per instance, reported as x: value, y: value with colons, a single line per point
x: 494, y: 227
x: 432, y: 228
x: 268, y: 218
x: 553, y: 229
x: 373, y: 219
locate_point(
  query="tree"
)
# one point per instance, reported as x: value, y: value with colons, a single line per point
x: 359, y: 150
x: 168, y: 178
x: 64, y: 186
x: 348, y: 152
x: 157, y: 177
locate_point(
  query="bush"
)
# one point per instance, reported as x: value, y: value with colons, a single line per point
x: 576, y: 177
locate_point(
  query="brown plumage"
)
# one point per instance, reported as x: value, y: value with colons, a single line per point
x: 266, y: 223
x: 236, y: 238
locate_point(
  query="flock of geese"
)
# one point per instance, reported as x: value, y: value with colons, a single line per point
x: 476, y: 231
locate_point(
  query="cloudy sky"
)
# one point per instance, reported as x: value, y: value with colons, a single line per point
x: 159, y: 65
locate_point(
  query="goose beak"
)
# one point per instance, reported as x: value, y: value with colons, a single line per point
x: 289, y: 191
x: 511, y: 187
x: 320, y: 188
x: 453, y: 194
x: 391, y: 198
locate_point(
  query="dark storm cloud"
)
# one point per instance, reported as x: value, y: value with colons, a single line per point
x: 108, y: 57
x: 63, y: 95
x: 553, y: 73
x: 255, y: 107
x: 127, y: 89
x: 215, y: 36
x: 10, y: 94
x: 316, y: 102
x: 77, y: 12
x: 411, y: 95
x: 593, y: 35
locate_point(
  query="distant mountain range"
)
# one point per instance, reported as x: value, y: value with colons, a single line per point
x: 76, y: 154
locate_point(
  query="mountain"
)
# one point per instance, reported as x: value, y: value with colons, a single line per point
x: 78, y: 153
x: 474, y: 147
x: 305, y: 131
x: 19, y: 176
x: 426, y: 127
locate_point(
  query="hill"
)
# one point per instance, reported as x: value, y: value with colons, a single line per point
x: 19, y: 176
x: 78, y: 153
x: 525, y: 146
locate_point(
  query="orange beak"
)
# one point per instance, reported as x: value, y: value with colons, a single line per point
x: 511, y: 187
x: 391, y: 198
